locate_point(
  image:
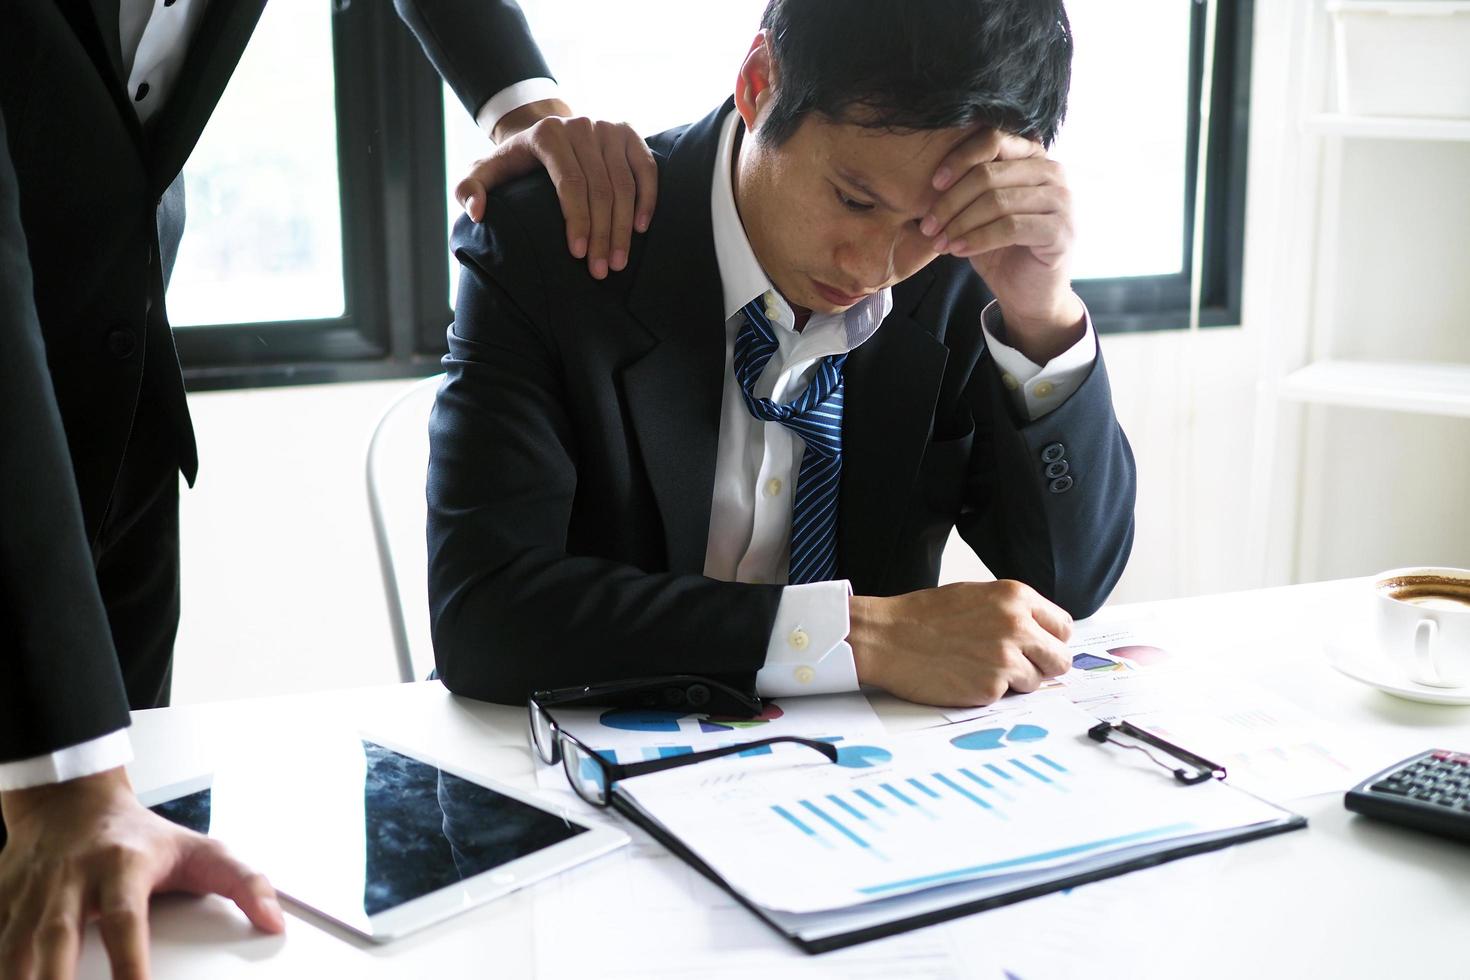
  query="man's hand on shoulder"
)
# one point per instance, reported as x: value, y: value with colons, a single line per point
x: 1005, y: 206
x: 959, y: 645
x: 604, y: 173
x: 87, y: 849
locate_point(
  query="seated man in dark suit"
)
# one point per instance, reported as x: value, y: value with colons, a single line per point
x: 849, y: 330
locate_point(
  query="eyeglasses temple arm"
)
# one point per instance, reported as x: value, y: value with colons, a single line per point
x: 631, y: 769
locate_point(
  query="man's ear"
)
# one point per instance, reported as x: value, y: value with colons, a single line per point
x: 753, y: 84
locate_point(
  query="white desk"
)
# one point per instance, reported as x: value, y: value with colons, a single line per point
x: 1344, y: 898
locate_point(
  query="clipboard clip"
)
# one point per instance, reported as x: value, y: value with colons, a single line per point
x: 1200, y: 769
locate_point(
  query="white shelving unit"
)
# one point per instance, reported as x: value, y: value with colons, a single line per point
x: 1426, y: 388
x: 1388, y: 127
x: 1320, y: 378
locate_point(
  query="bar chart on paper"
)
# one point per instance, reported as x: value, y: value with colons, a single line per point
x: 865, y: 815
x: 931, y: 808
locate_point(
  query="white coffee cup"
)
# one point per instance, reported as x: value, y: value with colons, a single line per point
x: 1423, y: 623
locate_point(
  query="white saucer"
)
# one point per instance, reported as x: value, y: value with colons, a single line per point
x: 1362, y: 665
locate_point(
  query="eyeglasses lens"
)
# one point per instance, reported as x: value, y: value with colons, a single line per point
x: 543, y: 736
x: 585, y: 773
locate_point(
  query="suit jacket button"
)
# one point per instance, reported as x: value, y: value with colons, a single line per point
x: 1059, y: 468
x: 121, y: 343
x: 1053, y: 452
x: 1061, y: 484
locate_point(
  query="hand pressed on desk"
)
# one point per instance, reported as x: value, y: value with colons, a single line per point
x: 87, y: 849
x: 962, y: 644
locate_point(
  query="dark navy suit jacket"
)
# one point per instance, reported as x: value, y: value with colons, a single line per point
x: 573, y: 454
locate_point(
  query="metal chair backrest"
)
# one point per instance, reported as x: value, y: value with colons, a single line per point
x: 396, y: 469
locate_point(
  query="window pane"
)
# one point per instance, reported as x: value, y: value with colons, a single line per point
x: 612, y: 65
x: 263, y: 240
x: 1123, y: 143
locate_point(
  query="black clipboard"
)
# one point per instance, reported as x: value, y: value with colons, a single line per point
x: 1100, y: 733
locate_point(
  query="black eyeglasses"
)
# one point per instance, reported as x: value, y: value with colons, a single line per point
x: 593, y: 776
x: 670, y: 692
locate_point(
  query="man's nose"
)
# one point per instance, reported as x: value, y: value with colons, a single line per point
x: 868, y: 262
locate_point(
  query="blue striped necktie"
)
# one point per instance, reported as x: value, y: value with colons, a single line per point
x: 816, y: 416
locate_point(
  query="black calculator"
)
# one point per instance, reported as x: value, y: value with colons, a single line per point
x: 1429, y: 791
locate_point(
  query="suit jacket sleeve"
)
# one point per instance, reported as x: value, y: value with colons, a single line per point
x: 478, y: 46
x: 1069, y: 540
x: 512, y: 609
x: 59, y: 679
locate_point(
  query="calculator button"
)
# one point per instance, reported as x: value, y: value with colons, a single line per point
x: 1397, y: 789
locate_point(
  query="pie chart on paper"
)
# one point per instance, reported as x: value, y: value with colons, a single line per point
x: 862, y: 756
x: 994, y: 738
x: 1026, y: 733
x: 1141, y: 655
x: 731, y: 723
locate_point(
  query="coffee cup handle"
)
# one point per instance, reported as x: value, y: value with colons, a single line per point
x: 1424, y: 633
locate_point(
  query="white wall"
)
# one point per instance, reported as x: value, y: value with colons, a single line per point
x: 281, y: 589
x: 280, y: 578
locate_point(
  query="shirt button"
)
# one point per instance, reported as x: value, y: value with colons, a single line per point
x: 773, y: 486
x: 1043, y: 389
x: 1009, y: 380
x: 769, y: 299
x: 798, y: 639
x: 804, y: 675
x: 142, y: 93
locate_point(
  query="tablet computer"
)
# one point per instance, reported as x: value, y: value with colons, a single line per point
x: 376, y: 839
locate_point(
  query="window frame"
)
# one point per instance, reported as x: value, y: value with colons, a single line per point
x: 390, y: 152
x: 1137, y: 304
x: 395, y: 264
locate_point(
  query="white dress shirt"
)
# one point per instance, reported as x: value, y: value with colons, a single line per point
x: 154, y: 36
x: 757, y: 463
x: 502, y: 103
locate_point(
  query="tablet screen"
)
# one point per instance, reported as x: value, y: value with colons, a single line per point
x: 394, y: 830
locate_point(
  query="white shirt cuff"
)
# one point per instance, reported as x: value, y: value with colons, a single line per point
x: 509, y: 99
x: 72, y: 762
x: 1035, y: 389
x: 808, y: 652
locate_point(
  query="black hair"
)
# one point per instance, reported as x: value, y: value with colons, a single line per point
x: 920, y: 64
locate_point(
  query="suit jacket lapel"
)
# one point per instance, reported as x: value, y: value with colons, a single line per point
x: 214, y: 51
x: 95, y: 23
x: 891, y: 385
x: 674, y: 390
x: 106, y: 14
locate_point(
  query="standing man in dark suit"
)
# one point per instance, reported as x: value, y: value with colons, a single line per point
x: 101, y: 103
x: 850, y: 330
